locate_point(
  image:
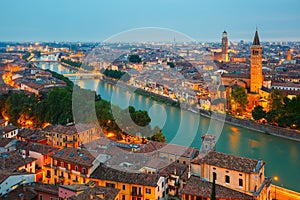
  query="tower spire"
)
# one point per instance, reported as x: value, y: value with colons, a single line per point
x: 256, y: 38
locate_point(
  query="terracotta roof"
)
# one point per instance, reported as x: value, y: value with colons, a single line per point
x: 45, y: 188
x: 18, y: 193
x: 201, y: 188
x: 5, y: 141
x: 180, y: 169
x: 33, y: 85
x: 103, y: 172
x: 11, y: 161
x: 174, y: 149
x: 231, y: 75
x: 8, y: 128
x: 28, y: 134
x: 40, y: 148
x: 76, y: 156
x: 97, y: 192
x: 228, y: 161
x: 69, y: 129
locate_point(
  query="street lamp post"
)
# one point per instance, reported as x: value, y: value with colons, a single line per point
x: 275, y: 179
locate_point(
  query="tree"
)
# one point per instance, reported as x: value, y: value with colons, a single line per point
x: 134, y: 58
x: 276, y: 100
x: 158, y: 135
x: 240, y: 97
x: 213, y: 190
x: 258, y: 113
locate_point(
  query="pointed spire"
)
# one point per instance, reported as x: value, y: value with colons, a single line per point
x: 256, y: 38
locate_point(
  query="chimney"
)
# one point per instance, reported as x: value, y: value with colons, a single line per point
x: 91, y: 196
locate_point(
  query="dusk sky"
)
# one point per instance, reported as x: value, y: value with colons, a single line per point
x: 96, y: 20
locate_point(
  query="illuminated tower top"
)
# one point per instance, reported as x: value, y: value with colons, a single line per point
x: 256, y: 76
x: 225, y: 47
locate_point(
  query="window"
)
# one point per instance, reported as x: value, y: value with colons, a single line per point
x: 55, y: 172
x: 51, y: 198
x: 241, y: 182
x: 148, y: 191
x: 62, y: 164
x: 227, y: 179
x: 214, y: 176
x: 123, y: 187
x: 112, y: 185
x: 41, y: 197
x: 123, y: 197
x: 76, y: 168
x: 83, y: 171
x: 184, y: 162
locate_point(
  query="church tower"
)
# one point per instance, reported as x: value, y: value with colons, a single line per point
x: 256, y: 77
x: 225, y: 47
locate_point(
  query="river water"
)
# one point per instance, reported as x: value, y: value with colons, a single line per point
x: 183, y: 127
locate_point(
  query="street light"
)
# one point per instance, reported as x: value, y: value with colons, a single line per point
x: 275, y: 179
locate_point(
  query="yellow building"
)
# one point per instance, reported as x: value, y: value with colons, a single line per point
x: 236, y: 173
x: 72, y: 135
x: 132, y: 186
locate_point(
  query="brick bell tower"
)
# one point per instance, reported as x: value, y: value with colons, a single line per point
x: 256, y: 76
x: 225, y: 57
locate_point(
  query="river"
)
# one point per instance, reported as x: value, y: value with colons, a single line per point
x: 183, y: 127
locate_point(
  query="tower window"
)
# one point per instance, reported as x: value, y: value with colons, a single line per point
x: 227, y: 179
x: 241, y: 182
x: 214, y: 176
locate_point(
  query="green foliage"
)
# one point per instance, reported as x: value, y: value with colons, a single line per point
x: 117, y: 74
x: 70, y: 84
x: 72, y: 63
x: 258, y: 113
x: 276, y: 100
x: 157, y: 135
x: 285, y: 112
x: 240, y: 97
x: 134, y: 58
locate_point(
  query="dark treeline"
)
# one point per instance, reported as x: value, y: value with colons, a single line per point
x: 283, y: 111
x: 63, y: 105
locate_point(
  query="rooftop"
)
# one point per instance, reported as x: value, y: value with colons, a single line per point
x: 97, y: 192
x: 106, y: 173
x: 8, y: 128
x: 229, y: 161
x: 76, y: 156
x: 202, y: 188
x: 40, y: 148
x: 68, y: 129
x: 13, y: 160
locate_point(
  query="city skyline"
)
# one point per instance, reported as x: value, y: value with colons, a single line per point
x: 96, y: 21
